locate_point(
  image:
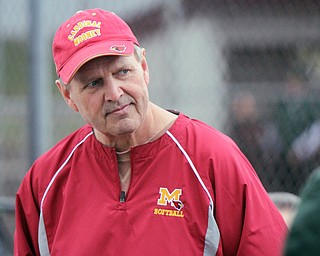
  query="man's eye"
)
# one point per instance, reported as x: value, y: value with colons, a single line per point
x: 95, y: 83
x: 123, y: 72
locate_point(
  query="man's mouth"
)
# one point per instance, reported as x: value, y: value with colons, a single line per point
x: 120, y: 109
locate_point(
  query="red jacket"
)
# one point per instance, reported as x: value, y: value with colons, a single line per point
x: 192, y: 192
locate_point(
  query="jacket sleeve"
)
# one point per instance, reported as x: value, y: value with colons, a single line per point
x: 304, y: 236
x: 27, y: 219
x: 249, y: 222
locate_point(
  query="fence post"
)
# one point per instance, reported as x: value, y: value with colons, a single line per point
x: 39, y: 98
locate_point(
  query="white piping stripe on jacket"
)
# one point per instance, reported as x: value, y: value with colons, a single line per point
x: 61, y: 167
x: 42, y: 236
x: 192, y: 166
x: 213, y: 233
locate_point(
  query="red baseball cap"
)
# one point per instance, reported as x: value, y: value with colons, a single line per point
x: 89, y: 34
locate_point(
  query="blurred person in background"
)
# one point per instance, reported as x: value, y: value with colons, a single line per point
x: 305, y: 148
x: 246, y: 129
x: 136, y: 179
x: 287, y: 204
x: 304, y: 236
x: 295, y: 113
x: 256, y: 136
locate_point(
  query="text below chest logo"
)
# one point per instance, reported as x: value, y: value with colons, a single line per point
x: 172, y: 199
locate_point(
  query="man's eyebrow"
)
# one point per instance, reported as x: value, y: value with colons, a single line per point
x: 113, y: 62
x: 83, y: 76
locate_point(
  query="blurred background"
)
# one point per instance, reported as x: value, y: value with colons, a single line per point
x: 249, y: 68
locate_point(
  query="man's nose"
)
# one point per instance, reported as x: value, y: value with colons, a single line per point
x: 113, y: 90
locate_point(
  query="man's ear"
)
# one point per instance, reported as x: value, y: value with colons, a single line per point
x: 66, y: 94
x: 145, y: 68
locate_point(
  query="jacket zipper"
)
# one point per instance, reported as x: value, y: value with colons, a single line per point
x: 122, y: 196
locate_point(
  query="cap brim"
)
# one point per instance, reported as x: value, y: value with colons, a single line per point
x: 93, y: 51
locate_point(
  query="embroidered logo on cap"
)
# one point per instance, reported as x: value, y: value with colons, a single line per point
x: 118, y: 48
x: 78, y: 39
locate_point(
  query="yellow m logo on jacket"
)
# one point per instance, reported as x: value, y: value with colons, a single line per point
x: 167, y: 197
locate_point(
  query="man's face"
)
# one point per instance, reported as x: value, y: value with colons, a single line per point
x: 110, y: 92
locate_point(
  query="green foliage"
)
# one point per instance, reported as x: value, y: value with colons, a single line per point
x: 14, y: 68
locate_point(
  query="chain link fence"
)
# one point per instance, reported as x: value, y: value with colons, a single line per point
x: 249, y: 68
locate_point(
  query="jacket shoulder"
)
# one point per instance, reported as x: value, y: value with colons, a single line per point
x: 48, y: 163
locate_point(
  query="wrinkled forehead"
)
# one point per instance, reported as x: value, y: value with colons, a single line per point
x: 103, y: 63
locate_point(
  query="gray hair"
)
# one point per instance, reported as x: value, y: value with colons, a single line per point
x: 138, y: 52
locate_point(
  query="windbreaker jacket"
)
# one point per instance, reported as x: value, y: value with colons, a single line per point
x: 304, y: 236
x: 192, y: 192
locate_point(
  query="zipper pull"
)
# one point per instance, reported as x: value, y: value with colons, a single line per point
x: 122, y: 196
